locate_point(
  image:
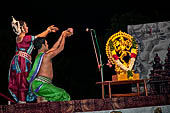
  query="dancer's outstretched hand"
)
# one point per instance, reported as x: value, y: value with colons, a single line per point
x: 52, y: 28
x: 68, y: 32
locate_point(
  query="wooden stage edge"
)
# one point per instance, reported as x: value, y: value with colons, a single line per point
x: 88, y: 105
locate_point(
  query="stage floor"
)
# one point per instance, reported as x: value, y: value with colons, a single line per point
x: 152, y: 109
x: 90, y: 105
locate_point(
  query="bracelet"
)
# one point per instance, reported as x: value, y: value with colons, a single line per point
x: 49, y: 30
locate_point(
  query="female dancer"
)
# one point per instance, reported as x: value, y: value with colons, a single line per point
x: 21, y: 63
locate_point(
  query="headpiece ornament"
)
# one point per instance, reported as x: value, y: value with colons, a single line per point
x: 17, y: 28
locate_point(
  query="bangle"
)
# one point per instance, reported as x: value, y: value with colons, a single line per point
x: 49, y: 30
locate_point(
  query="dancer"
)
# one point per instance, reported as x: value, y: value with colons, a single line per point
x: 41, y: 75
x: 21, y: 63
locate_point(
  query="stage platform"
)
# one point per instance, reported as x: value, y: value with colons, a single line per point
x: 152, y: 109
x: 107, y: 105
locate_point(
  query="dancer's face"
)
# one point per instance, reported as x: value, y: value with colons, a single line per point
x: 25, y: 27
x: 46, y: 45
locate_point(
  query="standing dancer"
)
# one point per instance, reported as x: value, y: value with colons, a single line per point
x: 21, y: 63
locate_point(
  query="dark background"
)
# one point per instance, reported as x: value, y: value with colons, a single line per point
x: 75, y: 68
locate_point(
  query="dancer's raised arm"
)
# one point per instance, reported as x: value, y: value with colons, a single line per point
x: 59, y: 45
x: 51, y: 28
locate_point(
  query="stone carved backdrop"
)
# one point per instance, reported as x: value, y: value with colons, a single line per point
x: 152, y: 38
